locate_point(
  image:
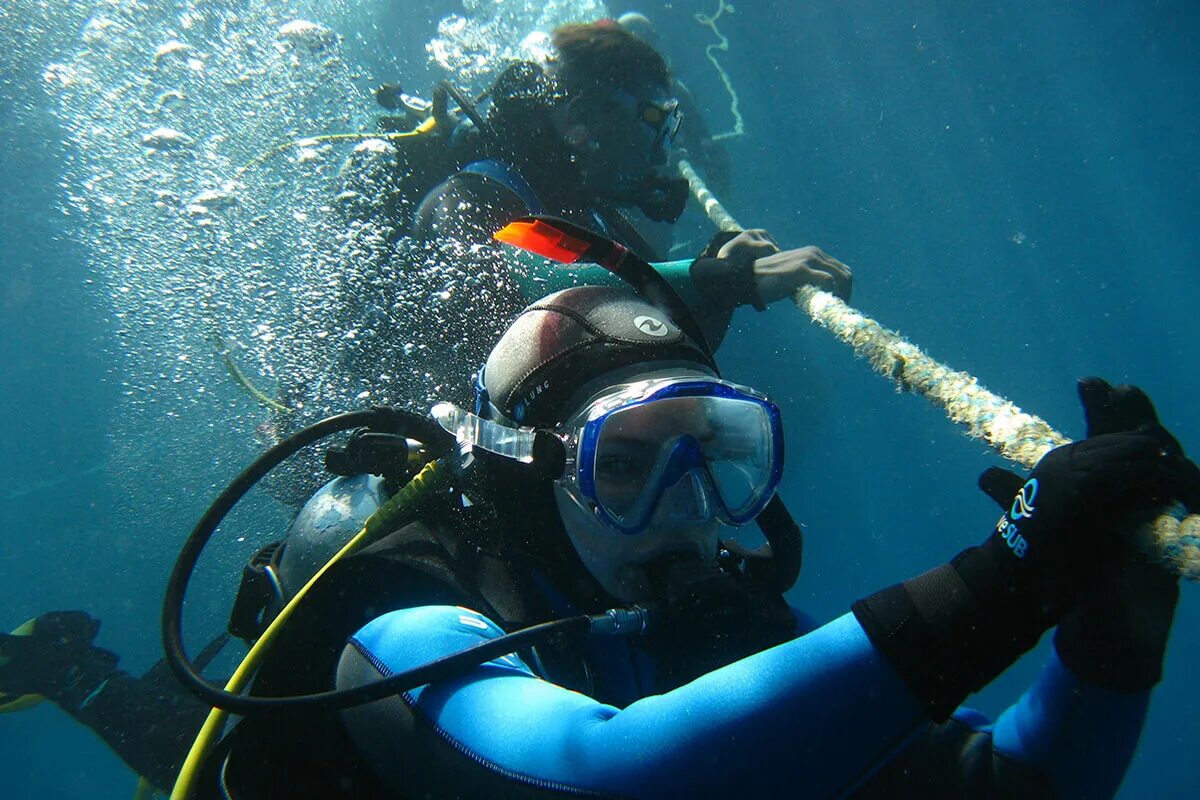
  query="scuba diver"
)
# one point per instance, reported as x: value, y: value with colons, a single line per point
x: 150, y: 721
x: 581, y: 136
x: 645, y: 463
x: 695, y: 141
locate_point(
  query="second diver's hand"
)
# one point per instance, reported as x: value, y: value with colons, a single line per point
x: 780, y: 274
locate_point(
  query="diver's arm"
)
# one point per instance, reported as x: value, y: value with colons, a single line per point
x: 742, y: 270
x: 1061, y: 555
x: 471, y: 208
x: 957, y: 759
x: 823, y: 710
x: 736, y: 269
x: 149, y: 722
x: 712, y: 287
x: 820, y: 711
x: 1064, y: 739
x: 1081, y: 721
x: 1081, y: 735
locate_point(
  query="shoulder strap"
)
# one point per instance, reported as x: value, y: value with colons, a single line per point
x: 507, y: 176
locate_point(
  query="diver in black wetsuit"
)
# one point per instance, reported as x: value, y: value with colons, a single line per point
x: 582, y: 137
x: 696, y: 141
x: 730, y: 691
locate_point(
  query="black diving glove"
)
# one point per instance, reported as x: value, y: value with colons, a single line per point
x: 57, y: 660
x: 953, y: 629
x: 1116, y: 634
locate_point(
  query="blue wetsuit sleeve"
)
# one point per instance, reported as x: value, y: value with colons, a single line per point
x: 1064, y: 739
x: 1083, y: 736
x: 822, y: 711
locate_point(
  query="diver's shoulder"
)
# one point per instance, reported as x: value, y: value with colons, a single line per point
x: 410, y: 637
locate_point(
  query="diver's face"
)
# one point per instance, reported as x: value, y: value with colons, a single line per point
x: 625, y: 564
x: 632, y: 446
x: 628, y: 137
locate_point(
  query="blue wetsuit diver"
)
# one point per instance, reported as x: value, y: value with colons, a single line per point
x: 720, y: 696
x: 149, y: 721
x: 731, y: 692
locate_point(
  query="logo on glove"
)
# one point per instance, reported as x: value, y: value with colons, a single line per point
x: 1022, y: 508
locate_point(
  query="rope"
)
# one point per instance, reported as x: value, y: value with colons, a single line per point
x: 1172, y: 539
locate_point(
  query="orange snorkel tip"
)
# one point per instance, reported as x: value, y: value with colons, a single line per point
x: 543, y: 239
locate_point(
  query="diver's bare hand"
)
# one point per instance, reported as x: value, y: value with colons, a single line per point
x: 779, y: 275
x: 752, y: 244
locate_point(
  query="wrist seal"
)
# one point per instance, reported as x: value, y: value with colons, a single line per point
x: 949, y: 631
x: 727, y: 281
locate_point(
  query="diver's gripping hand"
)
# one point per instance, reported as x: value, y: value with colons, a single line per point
x: 57, y: 659
x: 953, y: 629
x: 1082, y: 502
x: 1114, y: 634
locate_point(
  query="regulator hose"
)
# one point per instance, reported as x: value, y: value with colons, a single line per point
x: 388, y: 420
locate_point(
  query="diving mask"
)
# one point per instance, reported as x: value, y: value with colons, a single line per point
x: 662, y: 118
x: 661, y: 450
x: 698, y: 448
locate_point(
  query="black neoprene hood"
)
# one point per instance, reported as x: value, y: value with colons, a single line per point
x: 562, y: 342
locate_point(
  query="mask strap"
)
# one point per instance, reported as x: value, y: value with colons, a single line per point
x: 541, y: 448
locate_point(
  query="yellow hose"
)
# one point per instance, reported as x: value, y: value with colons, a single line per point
x: 428, y: 481
x: 424, y: 128
x: 1172, y: 539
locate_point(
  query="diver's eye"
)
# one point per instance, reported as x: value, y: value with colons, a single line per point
x: 616, y: 466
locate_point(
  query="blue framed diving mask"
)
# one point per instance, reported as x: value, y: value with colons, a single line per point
x: 671, y: 451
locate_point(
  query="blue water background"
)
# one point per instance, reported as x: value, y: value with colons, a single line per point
x: 1015, y: 185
